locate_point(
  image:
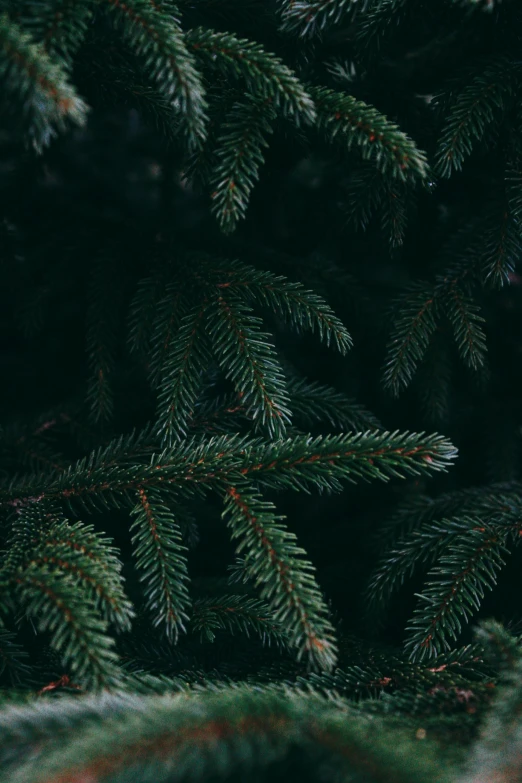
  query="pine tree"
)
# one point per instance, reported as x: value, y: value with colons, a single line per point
x: 260, y: 380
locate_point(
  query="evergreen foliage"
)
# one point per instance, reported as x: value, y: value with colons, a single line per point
x: 260, y: 423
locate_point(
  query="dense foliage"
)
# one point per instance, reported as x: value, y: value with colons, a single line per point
x: 260, y: 269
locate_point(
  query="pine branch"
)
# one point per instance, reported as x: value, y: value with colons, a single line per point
x: 322, y: 461
x: 194, y: 329
x: 101, y: 338
x: 497, y: 753
x: 434, y: 382
x: 314, y: 403
x: 364, y: 194
x: 237, y: 730
x: 311, y: 17
x: 188, y: 524
x: 348, y: 682
x: 446, y: 713
x: 77, y: 631
x: 477, y: 5
x: 295, y: 463
x: 169, y: 311
x: 466, y: 322
x: 33, y: 447
x: 412, y: 330
x: 13, y: 658
x: 265, y: 74
x: 125, y: 450
x: 91, y: 562
x: 501, y: 239
x: 221, y: 416
x: 501, y: 648
x: 142, y: 683
x: 471, y: 112
x: 33, y: 730
x: 161, y: 561
x: 368, y: 192
x: 247, y: 358
x: 419, y: 547
x: 484, y: 502
x: 38, y: 86
x: 234, y: 613
x: 415, y: 323
x: 455, y: 588
x: 161, y: 732
x: 501, y: 247
x: 201, y: 162
x: 300, y: 308
x: 60, y: 26
x: 343, y: 119
x: 239, y: 155
x: 31, y: 519
x: 382, y: 673
x: 376, y: 23
x: 150, y: 292
x: 394, y: 217
x: 286, y: 580
x: 158, y: 38
x: 183, y: 371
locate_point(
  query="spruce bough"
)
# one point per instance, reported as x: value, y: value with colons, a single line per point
x: 259, y: 256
